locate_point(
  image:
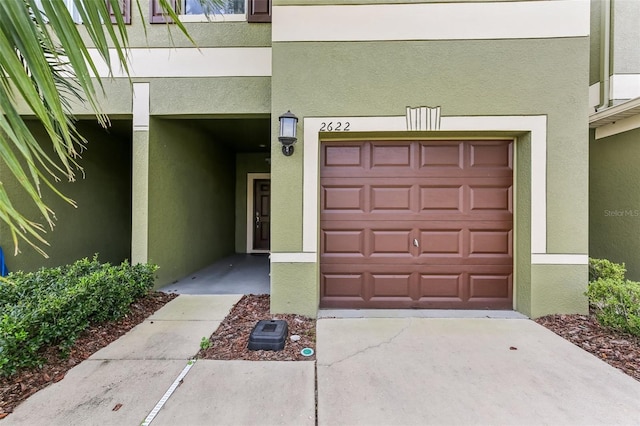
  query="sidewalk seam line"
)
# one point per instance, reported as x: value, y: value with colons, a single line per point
x: 168, y: 394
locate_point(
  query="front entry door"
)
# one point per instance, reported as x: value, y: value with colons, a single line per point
x: 261, y: 214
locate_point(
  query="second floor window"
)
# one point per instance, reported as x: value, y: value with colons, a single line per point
x: 225, y: 7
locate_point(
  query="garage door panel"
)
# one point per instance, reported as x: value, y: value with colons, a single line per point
x: 343, y: 157
x: 391, y: 242
x: 496, y: 198
x: 344, y: 198
x: 417, y: 224
x: 387, y: 197
x: 344, y: 242
x: 490, y: 243
x: 390, y: 155
x: 445, y: 198
x: 445, y: 154
x: 491, y: 155
x: 343, y: 285
x: 483, y: 286
x: 391, y: 285
x: 445, y: 242
x: 449, y: 286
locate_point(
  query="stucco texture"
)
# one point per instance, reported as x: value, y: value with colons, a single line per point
x: 614, y: 213
x: 191, y: 199
x: 466, y: 78
x: 558, y: 289
x: 297, y: 288
x: 102, y: 221
x: 210, y: 96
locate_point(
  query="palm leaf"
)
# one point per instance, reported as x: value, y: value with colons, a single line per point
x: 47, y: 65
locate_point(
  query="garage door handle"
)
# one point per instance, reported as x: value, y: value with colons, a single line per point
x: 415, y: 242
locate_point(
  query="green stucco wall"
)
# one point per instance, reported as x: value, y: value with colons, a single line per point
x: 246, y: 163
x: 191, y: 199
x: 210, y: 96
x: 558, y: 289
x: 296, y: 289
x: 102, y: 221
x: 614, y: 211
x: 466, y: 78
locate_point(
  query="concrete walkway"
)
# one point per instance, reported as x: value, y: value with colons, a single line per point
x: 370, y: 371
x: 124, y: 382
x: 235, y: 274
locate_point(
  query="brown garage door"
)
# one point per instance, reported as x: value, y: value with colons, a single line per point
x: 416, y: 224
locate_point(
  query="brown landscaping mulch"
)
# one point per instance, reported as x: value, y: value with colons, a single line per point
x: 620, y: 350
x: 230, y: 340
x: 17, y: 388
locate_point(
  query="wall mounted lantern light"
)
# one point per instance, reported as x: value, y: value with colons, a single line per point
x: 288, y: 128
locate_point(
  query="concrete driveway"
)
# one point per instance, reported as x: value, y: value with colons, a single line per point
x: 369, y: 371
x: 417, y: 371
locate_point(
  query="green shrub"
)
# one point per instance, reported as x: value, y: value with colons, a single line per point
x: 603, y: 268
x: 53, y: 305
x: 616, y: 303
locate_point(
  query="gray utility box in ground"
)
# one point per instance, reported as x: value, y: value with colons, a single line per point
x: 268, y: 335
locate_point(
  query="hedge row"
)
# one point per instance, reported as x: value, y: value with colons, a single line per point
x: 53, y: 305
x: 614, y: 299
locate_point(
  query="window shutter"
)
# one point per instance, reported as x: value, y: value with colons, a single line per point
x: 259, y: 11
x: 156, y: 16
x: 125, y: 6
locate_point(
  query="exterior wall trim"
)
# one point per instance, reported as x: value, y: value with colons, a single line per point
x: 251, y: 177
x: 536, y: 125
x: 140, y: 107
x: 432, y: 21
x: 294, y: 257
x: 190, y: 62
x: 560, y: 259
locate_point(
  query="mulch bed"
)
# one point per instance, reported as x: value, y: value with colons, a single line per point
x: 230, y: 340
x: 620, y: 350
x: 15, y: 389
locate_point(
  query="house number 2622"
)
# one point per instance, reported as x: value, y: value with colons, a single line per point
x: 335, y: 126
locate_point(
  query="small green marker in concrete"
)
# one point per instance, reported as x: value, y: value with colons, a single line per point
x: 306, y: 352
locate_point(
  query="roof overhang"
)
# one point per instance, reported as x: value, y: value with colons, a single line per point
x: 615, y: 113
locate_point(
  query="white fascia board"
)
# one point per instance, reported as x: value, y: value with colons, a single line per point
x: 432, y: 21
x: 559, y: 259
x: 140, y: 106
x: 190, y: 62
x: 297, y: 257
x: 620, y: 126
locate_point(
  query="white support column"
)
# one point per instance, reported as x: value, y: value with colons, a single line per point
x: 140, y: 174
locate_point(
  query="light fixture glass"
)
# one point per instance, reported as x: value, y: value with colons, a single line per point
x: 288, y: 130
